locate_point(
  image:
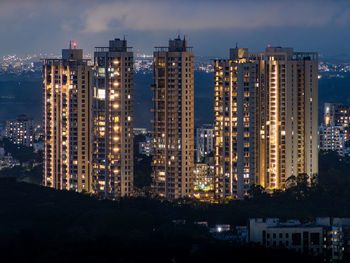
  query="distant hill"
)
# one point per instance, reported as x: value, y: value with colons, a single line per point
x: 204, y: 94
x: 334, y: 90
x: 23, y: 94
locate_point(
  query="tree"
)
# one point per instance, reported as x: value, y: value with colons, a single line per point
x: 142, y: 172
x: 257, y: 192
x: 19, y: 152
x: 291, y: 181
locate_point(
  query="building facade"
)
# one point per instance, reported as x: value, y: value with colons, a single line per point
x: 332, y: 138
x: 291, y: 234
x: 67, y: 122
x: 235, y: 126
x: 203, y: 177
x: 145, y: 147
x: 204, y: 141
x: 323, y: 236
x: 339, y: 115
x: 266, y: 122
x: 21, y: 131
x: 173, y: 120
x: 112, y: 111
x: 140, y: 131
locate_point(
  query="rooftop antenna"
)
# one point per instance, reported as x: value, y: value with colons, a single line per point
x: 236, y: 45
x: 70, y: 44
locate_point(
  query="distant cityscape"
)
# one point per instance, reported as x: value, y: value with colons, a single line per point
x: 32, y: 63
x: 143, y: 63
x: 208, y: 158
x: 266, y: 131
x: 175, y: 131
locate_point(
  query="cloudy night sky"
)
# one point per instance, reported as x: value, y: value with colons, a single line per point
x: 34, y: 26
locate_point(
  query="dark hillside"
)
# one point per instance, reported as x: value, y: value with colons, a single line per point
x: 43, y: 225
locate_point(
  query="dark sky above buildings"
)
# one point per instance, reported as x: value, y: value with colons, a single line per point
x: 211, y: 26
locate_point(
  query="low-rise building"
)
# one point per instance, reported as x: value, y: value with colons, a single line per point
x: 332, y: 138
x: 337, y: 236
x: 201, y: 223
x: 203, y: 177
x: 7, y: 161
x: 39, y: 133
x: 145, y: 147
x: 219, y: 228
x: 292, y: 234
x: 139, y: 131
x: 339, y: 115
x: 203, y: 182
x: 321, y: 237
x: 204, y: 141
x: 21, y: 131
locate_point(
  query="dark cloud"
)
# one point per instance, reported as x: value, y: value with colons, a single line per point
x: 33, y: 25
x: 162, y: 15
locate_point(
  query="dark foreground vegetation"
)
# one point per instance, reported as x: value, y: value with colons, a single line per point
x: 42, y: 224
x: 45, y: 225
x: 30, y: 169
x: 38, y: 223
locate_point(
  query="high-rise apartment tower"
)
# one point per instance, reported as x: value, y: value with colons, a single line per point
x: 113, y: 164
x: 173, y: 120
x: 266, y: 119
x: 235, y: 126
x: 67, y: 123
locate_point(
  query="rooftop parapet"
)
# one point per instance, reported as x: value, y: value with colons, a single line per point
x: 175, y: 45
x: 116, y: 45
